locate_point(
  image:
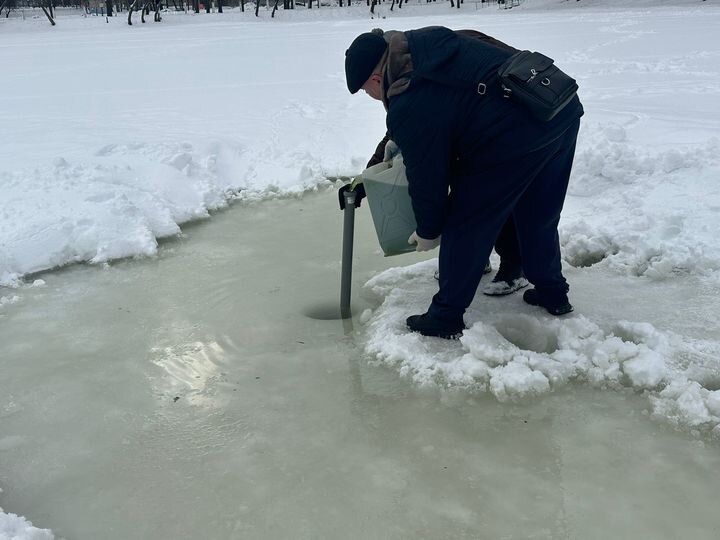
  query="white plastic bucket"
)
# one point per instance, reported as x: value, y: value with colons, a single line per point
x: 386, y: 187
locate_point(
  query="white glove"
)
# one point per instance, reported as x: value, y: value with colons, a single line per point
x: 391, y: 150
x: 423, y: 244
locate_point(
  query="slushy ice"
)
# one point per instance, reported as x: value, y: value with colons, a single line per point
x: 386, y: 187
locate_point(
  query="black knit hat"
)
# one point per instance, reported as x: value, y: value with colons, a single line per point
x: 361, y: 58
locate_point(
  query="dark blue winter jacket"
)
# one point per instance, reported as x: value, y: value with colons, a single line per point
x: 447, y: 131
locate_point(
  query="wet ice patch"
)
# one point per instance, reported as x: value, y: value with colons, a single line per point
x: 513, y: 356
x: 636, y: 211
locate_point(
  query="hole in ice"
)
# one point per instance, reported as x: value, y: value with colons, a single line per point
x: 527, y: 333
x: 327, y: 311
x: 588, y: 258
x: 588, y: 248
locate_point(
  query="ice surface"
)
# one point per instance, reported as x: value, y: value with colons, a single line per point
x: 187, y: 396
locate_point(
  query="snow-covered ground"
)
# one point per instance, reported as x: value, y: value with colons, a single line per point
x: 112, y: 137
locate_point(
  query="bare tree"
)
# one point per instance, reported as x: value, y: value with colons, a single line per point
x: 146, y: 10
x: 49, y: 14
x: 131, y: 8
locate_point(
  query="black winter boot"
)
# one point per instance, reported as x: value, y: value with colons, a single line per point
x: 556, y: 304
x: 427, y: 325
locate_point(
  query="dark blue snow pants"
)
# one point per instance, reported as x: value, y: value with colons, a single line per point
x: 532, y: 189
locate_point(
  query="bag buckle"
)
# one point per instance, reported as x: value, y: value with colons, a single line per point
x: 481, y: 88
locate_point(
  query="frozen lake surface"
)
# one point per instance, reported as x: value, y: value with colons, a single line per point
x: 187, y: 396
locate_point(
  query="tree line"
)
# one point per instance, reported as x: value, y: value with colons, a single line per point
x: 115, y: 8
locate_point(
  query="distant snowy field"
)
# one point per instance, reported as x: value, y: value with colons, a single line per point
x: 113, y: 136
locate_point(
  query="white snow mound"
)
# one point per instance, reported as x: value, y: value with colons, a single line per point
x: 14, y: 527
x: 517, y: 355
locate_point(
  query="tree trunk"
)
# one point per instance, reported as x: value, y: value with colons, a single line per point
x: 272, y: 15
x: 45, y: 11
x: 220, y: 6
x: 257, y: 7
x: 131, y: 8
x: 196, y: 6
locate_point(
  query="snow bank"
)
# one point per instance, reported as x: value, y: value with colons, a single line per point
x: 629, y: 209
x: 525, y: 354
x: 642, y: 211
x: 119, y: 201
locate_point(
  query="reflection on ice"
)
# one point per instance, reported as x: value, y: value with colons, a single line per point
x: 190, y: 364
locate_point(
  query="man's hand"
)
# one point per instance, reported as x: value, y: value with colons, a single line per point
x: 359, y: 195
x: 391, y: 150
x: 423, y: 244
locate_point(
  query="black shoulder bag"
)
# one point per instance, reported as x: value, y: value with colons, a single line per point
x: 529, y: 78
x: 534, y: 80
